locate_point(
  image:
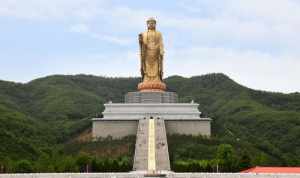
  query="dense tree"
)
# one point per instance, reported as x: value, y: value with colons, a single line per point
x: 244, y: 161
x: 40, y: 120
x: 226, y: 157
x: 23, y: 166
x: 84, y: 162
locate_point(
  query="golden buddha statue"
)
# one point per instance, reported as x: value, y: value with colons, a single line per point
x: 152, y: 52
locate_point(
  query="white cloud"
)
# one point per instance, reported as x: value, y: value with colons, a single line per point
x: 269, y: 11
x: 54, y: 9
x: 86, y: 30
x: 80, y: 28
x: 113, y: 39
x: 111, y: 65
x: 251, y: 68
x: 248, y: 22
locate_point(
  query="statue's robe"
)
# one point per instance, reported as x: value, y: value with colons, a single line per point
x: 153, y: 55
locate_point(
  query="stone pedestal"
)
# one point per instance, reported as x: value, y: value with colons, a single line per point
x: 151, y: 97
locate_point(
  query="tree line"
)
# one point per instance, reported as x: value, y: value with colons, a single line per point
x: 80, y: 163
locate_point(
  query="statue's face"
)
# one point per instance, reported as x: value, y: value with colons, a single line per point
x: 151, y: 25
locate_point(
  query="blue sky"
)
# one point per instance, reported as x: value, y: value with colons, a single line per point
x: 255, y: 42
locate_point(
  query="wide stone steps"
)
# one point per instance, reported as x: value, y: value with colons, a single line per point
x: 141, y: 157
x: 162, y: 153
x: 141, y: 146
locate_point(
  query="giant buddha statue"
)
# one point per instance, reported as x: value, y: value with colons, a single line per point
x: 151, y: 54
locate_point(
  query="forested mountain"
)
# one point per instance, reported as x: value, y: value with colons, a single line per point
x: 42, y: 118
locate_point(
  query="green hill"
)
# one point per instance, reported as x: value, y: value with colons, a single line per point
x: 40, y: 118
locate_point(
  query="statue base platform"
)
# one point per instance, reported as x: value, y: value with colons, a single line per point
x: 151, y: 86
x: 151, y: 97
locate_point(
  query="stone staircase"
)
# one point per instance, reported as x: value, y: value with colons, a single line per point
x: 162, y: 153
x: 141, y: 146
x: 161, y: 146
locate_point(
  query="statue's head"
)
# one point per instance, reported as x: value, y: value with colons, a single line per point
x: 151, y: 23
